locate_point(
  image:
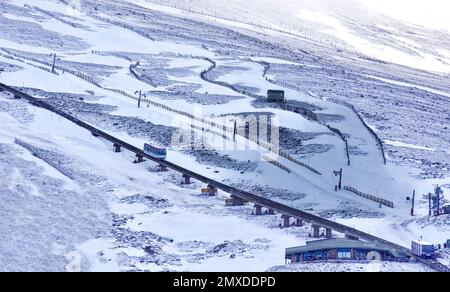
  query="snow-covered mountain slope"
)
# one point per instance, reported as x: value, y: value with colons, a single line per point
x: 189, y: 64
x: 428, y: 14
x: 65, y: 191
x: 417, y: 37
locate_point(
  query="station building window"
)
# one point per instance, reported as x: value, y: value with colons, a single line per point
x: 345, y: 254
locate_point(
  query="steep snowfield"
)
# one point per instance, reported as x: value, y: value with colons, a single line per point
x: 430, y: 14
x: 142, y: 220
x: 378, y: 30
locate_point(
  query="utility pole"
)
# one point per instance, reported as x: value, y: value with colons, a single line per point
x: 234, y: 129
x: 140, y: 97
x: 54, y: 62
x: 339, y: 173
x: 412, y: 202
x: 438, y: 192
x: 429, y: 204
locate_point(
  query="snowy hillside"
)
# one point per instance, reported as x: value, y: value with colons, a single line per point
x: 66, y: 192
x: 417, y: 37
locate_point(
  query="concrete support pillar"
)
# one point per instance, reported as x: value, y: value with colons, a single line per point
x: 213, y: 191
x: 162, y: 168
x: 299, y: 222
x: 328, y: 233
x: 186, y: 180
x: 139, y: 158
x: 286, y: 221
x: 316, y: 231
x: 237, y: 201
x: 117, y: 148
x: 271, y: 212
x: 258, y: 210
x: 351, y: 237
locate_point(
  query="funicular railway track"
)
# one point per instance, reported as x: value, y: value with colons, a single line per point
x: 241, y: 194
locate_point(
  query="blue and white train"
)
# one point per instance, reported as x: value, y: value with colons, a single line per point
x: 155, y: 152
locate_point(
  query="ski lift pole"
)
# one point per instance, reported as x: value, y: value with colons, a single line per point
x: 140, y: 97
x: 413, y: 202
x: 54, y: 62
x: 429, y: 204
x: 235, y: 130
x: 339, y: 173
x: 438, y: 192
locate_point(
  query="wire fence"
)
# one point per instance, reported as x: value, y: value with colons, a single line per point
x: 372, y: 132
x: 265, y: 145
x: 370, y: 197
x: 277, y: 164
x: 344, y: 138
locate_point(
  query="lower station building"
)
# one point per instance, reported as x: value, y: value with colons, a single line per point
x: 342, y: 249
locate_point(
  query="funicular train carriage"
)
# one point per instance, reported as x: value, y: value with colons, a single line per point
x: 155, y: 152
x: 423, y: 249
